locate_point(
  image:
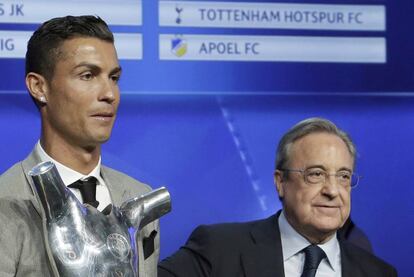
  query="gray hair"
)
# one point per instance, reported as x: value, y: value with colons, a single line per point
x: 306, y: 127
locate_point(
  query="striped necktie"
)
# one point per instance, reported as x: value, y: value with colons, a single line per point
x: 313, y: 257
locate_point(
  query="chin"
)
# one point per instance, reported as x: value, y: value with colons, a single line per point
x: 103, y: 139
x: 328, y: 226
x: 102, y: 136
x: 94, y: 142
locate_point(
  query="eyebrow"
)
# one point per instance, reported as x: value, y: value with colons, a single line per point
x: 345, y: 168
x: 88, y: 65
x: 324, y: 168
x: 116, y: 70
x: 94, y: 67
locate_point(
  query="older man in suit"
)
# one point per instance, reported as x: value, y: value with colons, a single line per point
x: 72, y: 74
x: 314, y: 176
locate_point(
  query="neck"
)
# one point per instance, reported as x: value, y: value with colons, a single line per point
x: 78, y: 158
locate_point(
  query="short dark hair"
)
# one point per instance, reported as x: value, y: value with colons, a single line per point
x: 43, y: 47
x: 306, y: 127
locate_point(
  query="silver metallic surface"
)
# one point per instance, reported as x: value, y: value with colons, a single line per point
x: 146, y: 208
x: 86, y: 242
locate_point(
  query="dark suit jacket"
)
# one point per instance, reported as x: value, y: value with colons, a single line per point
x: 253, y: 249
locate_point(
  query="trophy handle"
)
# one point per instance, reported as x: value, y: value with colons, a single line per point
x: 146, y: 208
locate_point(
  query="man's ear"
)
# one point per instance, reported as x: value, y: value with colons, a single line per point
x: 279, y: 182
x: 37, y: 86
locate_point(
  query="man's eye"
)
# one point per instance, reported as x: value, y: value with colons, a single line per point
x: 344, y: 175
x: 86, y: 76
x: 316, y: 173
x: 115, y: 78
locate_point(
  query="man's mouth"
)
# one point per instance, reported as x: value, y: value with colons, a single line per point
x: 103, y: 116
x: 327, y: 209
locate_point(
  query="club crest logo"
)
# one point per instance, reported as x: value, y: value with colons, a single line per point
x: 118, y: 245
x: 179, y: 46
x: 179, y: 10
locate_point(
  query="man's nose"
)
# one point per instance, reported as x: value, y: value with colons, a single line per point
x: 331, y: 185
x: 108, y: 91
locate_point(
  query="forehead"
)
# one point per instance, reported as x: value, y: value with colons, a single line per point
x: 322, y: 149
x: 87, y: 50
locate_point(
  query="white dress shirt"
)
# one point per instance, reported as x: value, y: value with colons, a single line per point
x: 294, y: 259
x: 70, y: 176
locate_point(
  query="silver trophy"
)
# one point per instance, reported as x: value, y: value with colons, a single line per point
x: 86, y: 242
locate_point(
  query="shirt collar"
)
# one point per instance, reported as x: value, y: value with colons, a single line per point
x: 293, y: 243
x: 67, y: 174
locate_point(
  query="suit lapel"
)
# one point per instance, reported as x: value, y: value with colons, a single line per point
x: 118, y: 191
x: 32, y: 160
x: 264, y: 258
x: 348, y: 264
x: 346, y: 268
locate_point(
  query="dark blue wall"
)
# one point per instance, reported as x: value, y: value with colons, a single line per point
x: 216, y: 154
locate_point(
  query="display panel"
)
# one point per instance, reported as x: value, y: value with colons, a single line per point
x: 242, y: 47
